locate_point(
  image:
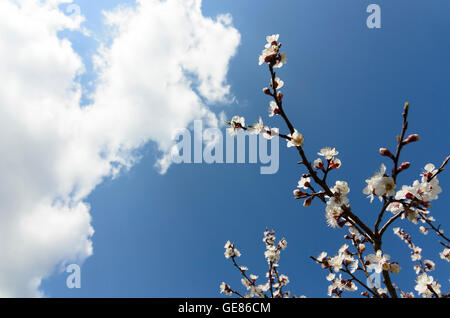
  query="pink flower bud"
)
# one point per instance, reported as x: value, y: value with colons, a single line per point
x: 307, y: 202
x: 411, y: 138
x: 299, y: 194
x: 404, y: 166
x: 386, y: 152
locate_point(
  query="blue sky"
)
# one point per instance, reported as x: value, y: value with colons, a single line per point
x: 345, y: 85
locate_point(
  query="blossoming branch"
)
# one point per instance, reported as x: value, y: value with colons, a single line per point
x: 350, y: 267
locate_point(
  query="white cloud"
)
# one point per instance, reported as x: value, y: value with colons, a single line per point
x: 165, y: 60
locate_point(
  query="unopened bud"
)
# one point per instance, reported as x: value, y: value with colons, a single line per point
x: 266, y: 91
x: 280, y: 96
x: 307, y: 202
x: 411, y: 138
x: 404, y: 166
x: 406, y: 108
x: 386, y: 152
x: 299, y: 194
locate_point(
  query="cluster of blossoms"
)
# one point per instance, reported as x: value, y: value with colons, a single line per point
x: 344, y: 261
x: 416, y: 198
x: 330, y: 156
x: 409, y: 202
x: 272, y: 56
x: 231, y: 251
x: 271, y: 53
x: 349, y: 263
x: 426, y: 286
x: 275, y: 281
x: 333, y: 210
x: 334, y: 205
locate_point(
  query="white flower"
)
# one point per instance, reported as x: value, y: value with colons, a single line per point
x: 224, y: 288
x: 336, y: 262
x: 425, y: 283
x: 337, y: 201
x: 281, y: 61
x: 416, y: 254
x: 387, y: 186
x: 273, y: 109
x: 304, y: 183
x: 269, y: 238
x: 231, y: 251
x: 270, y: 133
x: 382, y: 291
x: 417, y: 269
x: 284, y: 280
x: 282, y: 244
x: 431, y: 190
x: 354, y: 231
x: 278, y: 83
x: 272, y: 40
x: 341, y: 187
x: 410, y: 215
x: 341, y: 284
x: 429, y: 172
x: 335, y: 163
x: 423, y: 230
x: 318, y: 163
x: 322, y: 256
x: 246, y: 283
x: 429, y: 265
x: 328, y: 153
x: 258, y: 127
x: 380, y: 184
x: 403, y: 192
x: 445, y: 254
x: 236, y: 124
x: 343, y: 249
x: 330, y: 277
x: 395, y: 207
x: 296, y: 139
x: 350, y: 286
x: 332, y: 214
x: 272, y: 254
